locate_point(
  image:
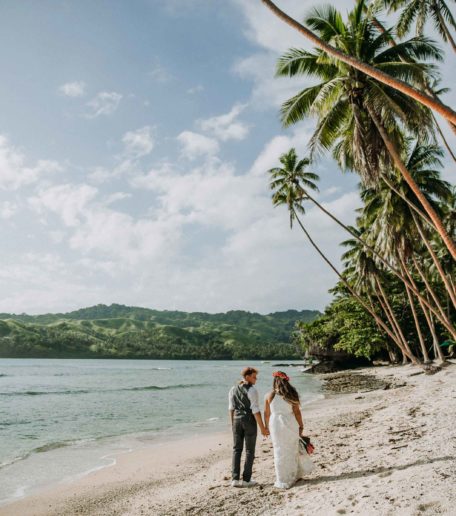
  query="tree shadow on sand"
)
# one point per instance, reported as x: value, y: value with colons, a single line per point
x: 369, y: 472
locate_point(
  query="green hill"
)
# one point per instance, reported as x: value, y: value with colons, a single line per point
x: 119, y: 331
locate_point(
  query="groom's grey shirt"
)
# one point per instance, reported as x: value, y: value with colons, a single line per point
x: 252, y: 396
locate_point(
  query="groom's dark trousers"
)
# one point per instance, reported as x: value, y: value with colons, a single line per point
x: 244, y: 430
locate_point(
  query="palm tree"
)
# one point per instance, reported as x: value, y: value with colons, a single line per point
x: 289, y: 181
x: 361, y: 119
x: 371, y: 71
x: 286, y: 183
x: 419, y: 12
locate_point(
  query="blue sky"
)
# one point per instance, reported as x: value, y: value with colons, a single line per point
x: 134, y: 143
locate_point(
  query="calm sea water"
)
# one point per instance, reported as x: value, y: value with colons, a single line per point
x: 62, y: 418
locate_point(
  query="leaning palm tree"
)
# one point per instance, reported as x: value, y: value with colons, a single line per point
x: 286, y: 184
x: 366, y: 68
x: 360, y: 119
x: 289, y: 180
x: 418, y: 12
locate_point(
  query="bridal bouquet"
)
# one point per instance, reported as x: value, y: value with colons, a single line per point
x: 305, y: 446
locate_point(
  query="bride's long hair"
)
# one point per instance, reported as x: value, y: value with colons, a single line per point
x: 281, y: 385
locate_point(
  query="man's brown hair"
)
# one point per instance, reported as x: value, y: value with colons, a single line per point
x: 247, y: 371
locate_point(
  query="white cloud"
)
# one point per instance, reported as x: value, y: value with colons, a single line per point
x: 159, y: 73
x: 210, y: 194
x: 67, y: 201
x: 14, y: 173
x: 73, y: 89
x: 154, y: 178
x: 195, y: 89
x: 138, y: 143
x: 117, y: 196
x: 269, y: 155
x: 7, y: 209
x: 99, y: 175
x: 105, y: 103
x: 195, y: 145
x: 268, y: 91
x: 39, y: 282
x: 226, y: 127
x: 124, y: 239
x: 92, y: 227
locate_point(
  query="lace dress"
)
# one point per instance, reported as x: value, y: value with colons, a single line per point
x: 289, y: 464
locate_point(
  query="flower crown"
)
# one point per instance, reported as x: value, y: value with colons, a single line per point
x: 279, y: 374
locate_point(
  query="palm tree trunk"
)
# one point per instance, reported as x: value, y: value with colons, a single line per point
x: 435, y: 340
x: 431, y: 291
x: 415, y: 318
x: 436, y: 261
x: 354, y: 235
x: 377, y: 319
x: 377, y: 74
x: 413, y: 186
x: 397, y: 340
x: 444, y: 140
x: 430, y: 324
x: 393, y: 317
x: 438, y: 353
x: 407, y: 201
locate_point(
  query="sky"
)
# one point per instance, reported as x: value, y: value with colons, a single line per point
x: 135, y: 140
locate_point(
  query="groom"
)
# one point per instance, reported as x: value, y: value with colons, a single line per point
x: 245, y: 414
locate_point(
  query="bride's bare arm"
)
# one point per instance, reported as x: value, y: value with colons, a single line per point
x: 298, y: 416
x: 267, y: 412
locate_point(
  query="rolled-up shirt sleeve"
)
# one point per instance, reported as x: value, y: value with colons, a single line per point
x: 230, y: 399
x: 254, y: 400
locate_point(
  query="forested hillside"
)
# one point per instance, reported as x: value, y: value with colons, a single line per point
x: 119, y: 331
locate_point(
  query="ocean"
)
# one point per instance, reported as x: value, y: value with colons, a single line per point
x: 60, y: 419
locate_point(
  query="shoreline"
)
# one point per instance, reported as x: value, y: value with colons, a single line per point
x: 119, y: 445
x: 386, y: 452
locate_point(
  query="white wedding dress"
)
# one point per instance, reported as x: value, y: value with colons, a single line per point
x: 289, y: 464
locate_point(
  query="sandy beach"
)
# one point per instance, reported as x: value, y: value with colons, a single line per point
x: 387, y: 451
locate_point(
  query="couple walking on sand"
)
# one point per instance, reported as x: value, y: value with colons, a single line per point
x: 282, y: 421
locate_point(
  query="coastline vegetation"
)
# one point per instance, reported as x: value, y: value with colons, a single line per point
x: 374, y: 98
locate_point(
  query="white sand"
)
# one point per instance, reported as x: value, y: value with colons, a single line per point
x: 385, y: 452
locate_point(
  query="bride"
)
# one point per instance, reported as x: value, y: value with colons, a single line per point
x: 282, y: 414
